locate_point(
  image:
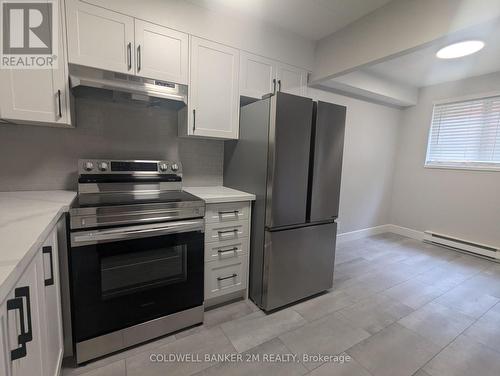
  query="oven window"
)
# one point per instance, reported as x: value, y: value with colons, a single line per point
x: 130, y: 272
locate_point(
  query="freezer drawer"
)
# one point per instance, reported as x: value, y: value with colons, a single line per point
x: 297, y: 263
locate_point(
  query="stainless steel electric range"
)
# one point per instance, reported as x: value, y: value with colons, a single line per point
x: 136, y: 255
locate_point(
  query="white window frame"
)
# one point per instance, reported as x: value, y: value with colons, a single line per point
x: 463, y: 165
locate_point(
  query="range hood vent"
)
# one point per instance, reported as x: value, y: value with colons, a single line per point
x: 136, y: 86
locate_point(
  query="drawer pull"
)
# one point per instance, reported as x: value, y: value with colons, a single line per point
x: 234, y: 249
x: 228, y: 277
x: 221, y: 233
x: 234, y: 212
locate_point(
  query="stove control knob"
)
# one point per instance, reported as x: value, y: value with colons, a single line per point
x: 103, y: 166
x: 88, y: 166
x: 175, y: 167
x: 163, y: 167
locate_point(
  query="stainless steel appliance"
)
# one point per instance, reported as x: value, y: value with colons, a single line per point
x: 289, y: 154
x: 136, y: 255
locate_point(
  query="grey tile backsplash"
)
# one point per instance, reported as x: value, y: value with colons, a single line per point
x: 45, y: 158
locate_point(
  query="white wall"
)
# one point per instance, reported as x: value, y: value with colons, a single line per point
x: 369, y: 154
x: 461, y: 203
x: 236, y: 31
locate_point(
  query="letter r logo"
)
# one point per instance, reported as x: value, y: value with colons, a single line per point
x: 27, y: 27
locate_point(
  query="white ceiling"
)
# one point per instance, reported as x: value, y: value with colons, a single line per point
x: 422, y: 68
x: 312, y: 19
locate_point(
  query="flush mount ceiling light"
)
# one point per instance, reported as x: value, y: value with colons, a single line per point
x: 460, y: 49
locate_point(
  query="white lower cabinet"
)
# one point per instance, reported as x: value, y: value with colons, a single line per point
x: 227, y: 245
x: 226, y: 276
x: 3, y: 340
x: 52, y: 314
x: 23, y: 322
x: 30, y: 318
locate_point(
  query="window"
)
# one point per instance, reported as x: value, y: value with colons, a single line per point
x: 465, y: 134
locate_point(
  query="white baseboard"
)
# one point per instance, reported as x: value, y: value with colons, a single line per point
x: 408, y: 232
x: 363, y: 233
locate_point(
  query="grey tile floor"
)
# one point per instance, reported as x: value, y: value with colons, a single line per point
x: 398, y: 307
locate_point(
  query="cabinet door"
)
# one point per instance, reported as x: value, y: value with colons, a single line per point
x: 24, y: 334
x: 36, y: 95
x: 213, y: 93
x: 99, y: 38
x: 257, y: 75
x: 3, y: 340
x: 161, y: 53
x: 292, y: 80
x: 52, y: 316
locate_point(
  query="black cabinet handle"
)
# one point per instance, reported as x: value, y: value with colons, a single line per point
x: 234, y: 249
x: 19, y: 352
x: 279, y: 85
x: 49, y: 281
x: 235, y: 231
x: 129, y: 55
x: 228, y: 277
x: 59, y: 102
x: 194, y: 120
x: 274, y: 85
x: 26, y: 335
x: 138, y: 58
x: 235, y: 212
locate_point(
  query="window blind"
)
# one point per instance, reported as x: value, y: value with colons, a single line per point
x: 465, y: 134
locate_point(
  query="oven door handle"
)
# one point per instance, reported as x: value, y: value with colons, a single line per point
x: 134, y: 232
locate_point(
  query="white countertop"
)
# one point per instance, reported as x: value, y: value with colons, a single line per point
x: 25, y: 221
x: 212, y: 195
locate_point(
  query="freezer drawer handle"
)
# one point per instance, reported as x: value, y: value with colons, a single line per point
x: 221, y: 251
x: 25, y: 336
x: 228, y: 277
x: 49, y: 281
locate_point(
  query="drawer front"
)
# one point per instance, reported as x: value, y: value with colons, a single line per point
x: 227, y: 212
x: 225, y: 250
x: 224, y: 277
x: 216, y: 232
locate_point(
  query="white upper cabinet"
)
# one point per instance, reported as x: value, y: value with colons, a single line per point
x: 161, y: 53
x: 257, y: 75
x: 291, y: 80
x: 100, y: 38
x: 214, y: 90
x: 37, y: 95
x: 260, y: 76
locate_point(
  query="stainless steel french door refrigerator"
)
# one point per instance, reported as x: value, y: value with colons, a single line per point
x: 289, y: 155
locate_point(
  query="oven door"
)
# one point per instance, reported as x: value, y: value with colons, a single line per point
x: 129, y: 275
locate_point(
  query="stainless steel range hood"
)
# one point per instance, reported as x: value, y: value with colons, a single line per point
x: 138, y: 87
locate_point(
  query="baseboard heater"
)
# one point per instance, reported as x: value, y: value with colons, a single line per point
x: 479, y: 249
